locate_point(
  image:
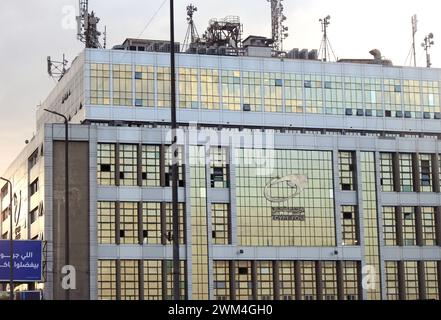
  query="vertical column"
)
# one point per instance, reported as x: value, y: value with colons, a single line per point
x: 232, y: 265
x: 140, y: 223
x: 187, y: 217
x: 298, y: 280
x: 439, y: 277
x: 418, y: 226
x: 337, y: 199
x: 139, y: 164
x: 340, y: 281
x: 141, y: 279
x: 401, y: 280
x: 233, y: 200
x: 254, y: 278
x: 164, y: 231
x: 399, y: 225
x: 162, y: 165
x: 118, y: 279
x: 118, y: 223
x: 276, y: 280
x: 435, y: 172
x: 396, y: 171
x: 421, y: 280
x: 360, y: 281
x: 209, y: 224
x: 416, y: 172
x: 117, y: 166
x: 319, y: 280
x: 438, y: 226
x: 164, y: 280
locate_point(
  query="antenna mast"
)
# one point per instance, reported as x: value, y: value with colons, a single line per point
x: 325, y: 47
x: 427, y: 44
x: 414, y: 31
x: 88, y: 26
x: 192, y: 35
x: 56, y: 69
x: 279, y: 30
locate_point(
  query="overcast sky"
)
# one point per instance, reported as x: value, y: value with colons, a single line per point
x: 32, y: 30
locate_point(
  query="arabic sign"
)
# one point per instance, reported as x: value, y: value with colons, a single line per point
x: 297, y: 183
x: 27, y: 260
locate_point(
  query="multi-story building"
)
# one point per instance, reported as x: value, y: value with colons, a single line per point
x: 298, y: 179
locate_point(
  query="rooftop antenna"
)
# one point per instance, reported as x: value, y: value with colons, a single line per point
x: 414, y: 31
x: 56, y: 69
x: 325, y: 47
x: 105, y: 37
x: 427, y: 44
x: 87, y: 23
x: 192, y: 35
x: 279, y: 30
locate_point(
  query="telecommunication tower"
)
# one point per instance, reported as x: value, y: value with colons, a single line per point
x: 427, y: 44
x: 325, y: 47
x: 88, y: 26
x: 56, y: 69
x: 279, y: 30
x: 192, y: 35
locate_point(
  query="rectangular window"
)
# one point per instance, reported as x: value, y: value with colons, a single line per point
x: 428, y: 226
x: 273, y: 92
x: 128, y: 164
x: 309, y: 289
x: 244, y: 283
x: 129, y: 280
x: 349, y: 222
x: 220, y: 213
x: 219, y: 167
x: 153, y: 280
x: 34, y: 187
x: 106, y: 164
x: 33, y: 159
x: 387, y: 177
x: 106, y: 222
x: 129, y: 223
x: 151, y: 220
x: 168, y: 265
x: 293, y: 93
x: 411, y: 280
x: 169, y: 164
x: 329, y: 278
x: 350, y: 280
x: 122, y: 85
x: 406, y: 172
x: 347, y: 170
x: 409, y: 236
x: 99, y: 84
x: 221, y: 275
x: 210, y: 98
x: 252, y: 91
x: 151, y: 166
x: 145, y: 86
x: 287, y: 280
x: 392, y: 281
x: 426, y: 172
x: 265, y: 289
x: 188, y: 88
x: 106, y: 279
x: 169, y: 222
x: 431, y: 279
x: 231, y: 90
x: 389, y: 226
x: 33, y: 216
x: 163, y: 87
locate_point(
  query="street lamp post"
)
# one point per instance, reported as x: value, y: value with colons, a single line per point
x: 66, y: 188
x: 174, y: 150
x: 11, y: 243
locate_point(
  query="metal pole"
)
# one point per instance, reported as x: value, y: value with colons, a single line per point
x: 66, y: 188
x: 11, y: 244
x: 174, y: 149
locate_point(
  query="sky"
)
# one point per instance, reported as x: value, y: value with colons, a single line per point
x: 33, y: 30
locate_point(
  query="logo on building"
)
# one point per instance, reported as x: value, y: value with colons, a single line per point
x: 294, y: 186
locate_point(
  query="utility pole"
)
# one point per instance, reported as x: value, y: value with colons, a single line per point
x: 175, y: 157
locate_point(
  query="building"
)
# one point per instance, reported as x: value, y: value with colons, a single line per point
x: 299, y: 179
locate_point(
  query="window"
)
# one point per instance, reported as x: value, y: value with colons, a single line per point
x: 406, y: 173
x: 107, y: 280
x: 389, y: 226
x: 106, y: 222
x: 349, y: 225
x: 387, y: 177
x: 145, y: 86
x: 221, y: 280
x: 169, y: 222
x: 347, y: 170
x: 265, y: 289
x: 151, y: 217
x: 431, y: 279
x: 151, y: 166
x: 169, y: 165
x: 293, y: 93
x: 168, y: 270
x: 33, y: 216
x: 163, y: 87
x: 188, y: 88
x: 128, y: 160
x: 392, y: 280
x: 219, y: 167
x: 33, y: 188
x: 428, y: 226
x: 33, y: 159
x: 309, y: 291
x: 106, y: 164
x: 231, y: 90
x: 272, y: 86
x: 122, y: 85
x: 329, y: 280
x: 129, y: 280
x: 411, y: 280
x: 99, y: 84
x: 244, y: 283
x: 129, y: 223
x: 210, y: 98
x: 409, y: 236
x: 350, y: 280
x: 153, y: 280
x: 426, y: 172
x: 220, y: 213
x: 252, y: 91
